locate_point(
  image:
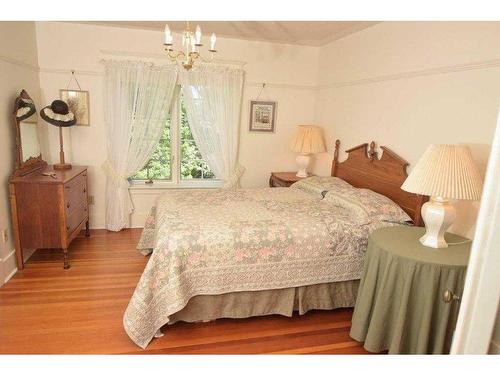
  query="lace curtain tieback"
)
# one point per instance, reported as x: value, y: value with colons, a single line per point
x: 111, y: 172
x: 234, y: 180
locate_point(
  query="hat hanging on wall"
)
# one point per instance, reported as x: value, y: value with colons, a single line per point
x: 58, y: 114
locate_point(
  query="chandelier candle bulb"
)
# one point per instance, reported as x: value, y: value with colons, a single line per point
x: 213, y: 39
x: 168, y: 36
x: 198, y: 36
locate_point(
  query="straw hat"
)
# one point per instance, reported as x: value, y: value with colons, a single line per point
x: 58, y: 114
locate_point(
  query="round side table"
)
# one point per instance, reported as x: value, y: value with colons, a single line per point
x: 408, y: 298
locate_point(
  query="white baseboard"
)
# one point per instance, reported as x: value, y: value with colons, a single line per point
x: 137, y: 220
x: 9, y: 271
x: 27, y: 253
x: 9, y: 276
x: 97, y: 221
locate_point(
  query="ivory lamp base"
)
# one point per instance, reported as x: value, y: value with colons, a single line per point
x: 438, y: 214
x: 302, y: 162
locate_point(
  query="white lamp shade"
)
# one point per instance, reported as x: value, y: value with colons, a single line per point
x: 446, y: 171
x: 308, y: 140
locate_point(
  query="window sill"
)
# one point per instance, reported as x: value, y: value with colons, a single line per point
x: 163, y: 185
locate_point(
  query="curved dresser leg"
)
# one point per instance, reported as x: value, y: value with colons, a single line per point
x: 66, y: 262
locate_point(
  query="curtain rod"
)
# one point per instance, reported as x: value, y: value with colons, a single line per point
x: 163, y: 57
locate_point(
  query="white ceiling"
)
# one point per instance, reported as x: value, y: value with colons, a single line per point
x: 311, y: 33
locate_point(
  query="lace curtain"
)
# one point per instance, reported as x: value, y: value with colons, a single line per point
x: 137, y: 99
x: 212, y: 95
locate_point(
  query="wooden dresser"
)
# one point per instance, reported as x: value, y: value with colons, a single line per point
x: 48, y: 212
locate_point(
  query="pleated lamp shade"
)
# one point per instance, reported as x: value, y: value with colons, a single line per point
x: 446, y: 171
x: 308, y: 140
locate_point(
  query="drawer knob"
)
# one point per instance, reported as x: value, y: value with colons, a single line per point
x: 84, y: 190
x: 449, y: 296
x: 67, y: 227
x: 68, y: 205
x: 66, y: 187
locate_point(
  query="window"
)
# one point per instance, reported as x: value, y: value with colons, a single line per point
x: 176, y: 162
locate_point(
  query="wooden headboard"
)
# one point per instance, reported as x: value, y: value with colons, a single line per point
x: 363, y: 169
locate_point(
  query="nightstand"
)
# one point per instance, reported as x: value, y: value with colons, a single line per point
x: 284, y: 179
x: 409, y: 294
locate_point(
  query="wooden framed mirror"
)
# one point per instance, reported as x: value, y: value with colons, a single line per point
x: 28, y: 157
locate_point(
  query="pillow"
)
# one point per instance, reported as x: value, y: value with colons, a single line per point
x: 367, y: 206
x: 320, y: 185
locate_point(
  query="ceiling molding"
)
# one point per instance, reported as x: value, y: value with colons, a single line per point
x: 484, y: 64
x: 478, y: 65
x: 269, y: 85
x: 68, y: 71
x: 16, y: 62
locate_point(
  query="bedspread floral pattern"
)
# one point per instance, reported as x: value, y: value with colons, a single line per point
x: 367, y: 205
x: 214, y: 242
x: 319, y: 185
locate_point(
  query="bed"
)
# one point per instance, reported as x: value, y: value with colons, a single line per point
x: 248, y: 252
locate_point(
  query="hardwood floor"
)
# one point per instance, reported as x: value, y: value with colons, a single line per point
x: 45, y: 309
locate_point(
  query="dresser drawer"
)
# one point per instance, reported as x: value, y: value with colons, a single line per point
x: 75, y: 201
x: 74, y: 218
x: 75, y: 193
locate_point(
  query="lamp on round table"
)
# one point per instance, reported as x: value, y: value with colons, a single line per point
x: 307, y: 140
x: 444, y: 172
x: 58, y: 114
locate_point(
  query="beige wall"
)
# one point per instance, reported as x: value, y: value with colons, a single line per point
x: 289, y: 72
x: 408, y: 84
x: 18, y: 70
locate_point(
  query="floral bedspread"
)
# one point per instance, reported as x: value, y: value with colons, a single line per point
x: 213, y: 242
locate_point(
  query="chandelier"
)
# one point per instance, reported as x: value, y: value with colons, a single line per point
x: 191, y: 42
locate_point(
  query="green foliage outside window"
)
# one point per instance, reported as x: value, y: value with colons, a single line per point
x: 192, y: 165
x: 158, y: 167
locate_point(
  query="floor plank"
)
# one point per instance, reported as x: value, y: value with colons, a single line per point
x: 45, y: 309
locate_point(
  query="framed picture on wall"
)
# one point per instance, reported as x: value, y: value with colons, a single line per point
x: 78, y: 103
x: 262, y: 116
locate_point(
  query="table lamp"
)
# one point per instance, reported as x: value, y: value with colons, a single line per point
x: 443, y: 172
x: 307, y: 140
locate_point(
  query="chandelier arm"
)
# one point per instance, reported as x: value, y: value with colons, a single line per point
x: 205, y: 60
x: 194, y: 55
x: 175, y: 55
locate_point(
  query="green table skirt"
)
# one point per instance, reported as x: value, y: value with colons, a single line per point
x: 399, y: 306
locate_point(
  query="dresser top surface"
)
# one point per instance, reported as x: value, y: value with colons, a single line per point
x: 37, y: 177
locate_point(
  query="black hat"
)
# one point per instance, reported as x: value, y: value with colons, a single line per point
x: 25, y: 108
x: 58, y: 114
